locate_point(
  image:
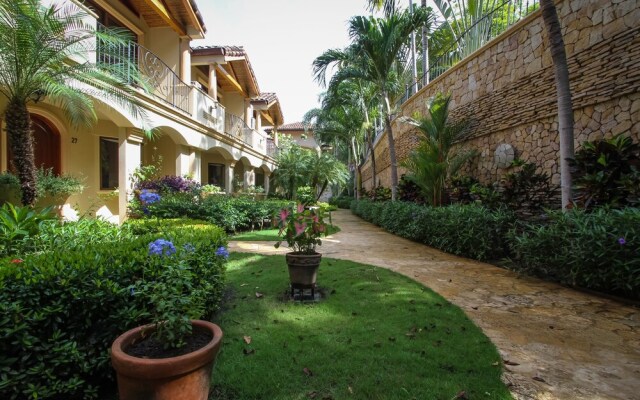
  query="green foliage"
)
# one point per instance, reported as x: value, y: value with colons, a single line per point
x: 212, y: 189
x: 607, y: 173
x: 598, y: 250
x: 468, y: 230
x: 461, y: 189
x: 527, y: 190
x: 18, y: 225
x: 434, y: 160
x: 341, y: 201
x: 231, y: 213
x: 48, y: 184
x: 306, y: 195
x: 301, y: 228
x: 379, y: 193
x: 409, y: 191
x: 68, y: 306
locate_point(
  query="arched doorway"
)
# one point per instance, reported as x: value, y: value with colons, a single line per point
x: 46, y: 141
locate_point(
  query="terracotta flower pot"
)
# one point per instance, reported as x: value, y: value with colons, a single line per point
x: 303, y: 268
x: 185, y: 377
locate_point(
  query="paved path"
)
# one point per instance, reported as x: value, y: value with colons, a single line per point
x: 560, y: 343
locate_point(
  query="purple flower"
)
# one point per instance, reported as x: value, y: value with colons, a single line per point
x: 147, y: 197
x: 161, y: 247
x: 621, y: 241
x: 189, y: 248
x: 222, y: 252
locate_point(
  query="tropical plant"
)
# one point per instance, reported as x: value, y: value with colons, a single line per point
x: 45, y: 53
x: 434, y: 160
x: 19, y: 223
x: 324, y: 170
x: 606, y: 172
x: 377, y: 54
x: 301, y: 228
x: 290, y: 173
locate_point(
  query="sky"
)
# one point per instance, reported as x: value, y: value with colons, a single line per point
x: 282, y: 38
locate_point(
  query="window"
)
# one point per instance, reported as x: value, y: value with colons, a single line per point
x: 108, y: 163
x: 216, y: 175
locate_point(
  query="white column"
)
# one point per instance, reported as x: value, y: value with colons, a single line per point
x: 196, y: 165
x: 185, y: 60
x: 213, y: 82
x: 128, y: 160
x: 248, y: 112
x: 266, y: 183
x: 228, y: 182
x: 248, y: 175
x: 258, y: 121
x: 183, y: 160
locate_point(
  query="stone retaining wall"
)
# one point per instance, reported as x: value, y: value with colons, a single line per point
x: 506, y: 90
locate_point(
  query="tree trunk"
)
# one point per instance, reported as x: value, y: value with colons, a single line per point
x: 20, y: 136
x: 565, y: 107
x: 372, y: 152
x: 392, y: 151
x: 356, y: 162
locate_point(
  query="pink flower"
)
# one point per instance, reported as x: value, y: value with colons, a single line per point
x: 320, y: 227
x: 284, y: 213
x: 16, y: 261
x: 300, y: 228
x: 300, y: 208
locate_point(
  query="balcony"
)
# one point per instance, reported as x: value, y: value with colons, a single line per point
x: 166, y: 86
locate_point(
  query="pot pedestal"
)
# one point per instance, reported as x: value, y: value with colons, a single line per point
x: 186, y: 377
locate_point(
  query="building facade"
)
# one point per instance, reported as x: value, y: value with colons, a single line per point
x: 205, y: 108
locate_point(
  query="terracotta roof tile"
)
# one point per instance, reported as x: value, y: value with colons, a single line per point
x: 266, y: 97
x: 294, y: 126
x: 231, y: 51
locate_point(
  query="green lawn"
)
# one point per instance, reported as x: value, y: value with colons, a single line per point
x: 376, y: 335
x: 269, y: 235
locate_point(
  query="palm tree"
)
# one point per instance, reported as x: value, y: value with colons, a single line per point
x: 293, y: 163
x: 378, y: 53
x: 44, y: 54
x: 565, y: 106
x: 324, y: 170
x: 434, y: 160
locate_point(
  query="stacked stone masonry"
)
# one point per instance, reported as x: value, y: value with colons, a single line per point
x: 506, y: 90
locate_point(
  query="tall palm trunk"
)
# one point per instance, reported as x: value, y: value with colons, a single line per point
x: 565, y: 106
x: 392, y: 150
x: 372, y: 152
x: 356, y: 161
x: 21, y: 141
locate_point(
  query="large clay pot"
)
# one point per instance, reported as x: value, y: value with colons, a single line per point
x: 186, y: 377
x: 303, y: 268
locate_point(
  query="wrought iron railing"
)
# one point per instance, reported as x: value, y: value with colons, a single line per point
x: 164, y: 84
x: 236, y: 127
x: 479, y: 33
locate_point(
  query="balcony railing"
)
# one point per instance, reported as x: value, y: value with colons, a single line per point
x: 236, y: 127
x: 165, y: 85
x: 272, y: 149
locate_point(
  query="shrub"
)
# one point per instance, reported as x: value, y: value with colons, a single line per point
x: 341, y: 201
x: 306, y: 195
x: 170, y: 184
x: 47, y: 183
x: 528, y: 191
x: 608, y: 172
x: 67, y: 307
x: 18, y: 225
x: 231, y: 213
x: 599, y: 250
x: 467, y: 230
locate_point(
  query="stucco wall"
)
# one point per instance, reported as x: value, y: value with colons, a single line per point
x: 507, y: 92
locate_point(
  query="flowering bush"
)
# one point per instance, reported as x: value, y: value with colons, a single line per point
x: 170, y: 184
x: 301, y: 228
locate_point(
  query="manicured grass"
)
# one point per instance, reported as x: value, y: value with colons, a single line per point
x: 269, y: 235
x: 376, y: 335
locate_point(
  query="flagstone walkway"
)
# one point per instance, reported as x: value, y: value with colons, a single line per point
x: 557, y: 343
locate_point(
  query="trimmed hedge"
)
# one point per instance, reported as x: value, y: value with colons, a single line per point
x: 61, y: 310
x: 467, y: 230
x: 597, y: 250
x: 341, y: 201
x: 231, y: 213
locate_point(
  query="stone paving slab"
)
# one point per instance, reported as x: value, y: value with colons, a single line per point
x: 559, y: 343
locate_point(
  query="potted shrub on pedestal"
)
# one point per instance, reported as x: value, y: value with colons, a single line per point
x: 302, y: 228
x: 171, y: 358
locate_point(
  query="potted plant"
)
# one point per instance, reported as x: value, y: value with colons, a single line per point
x: 302, y: 228
x: 171, y: 358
